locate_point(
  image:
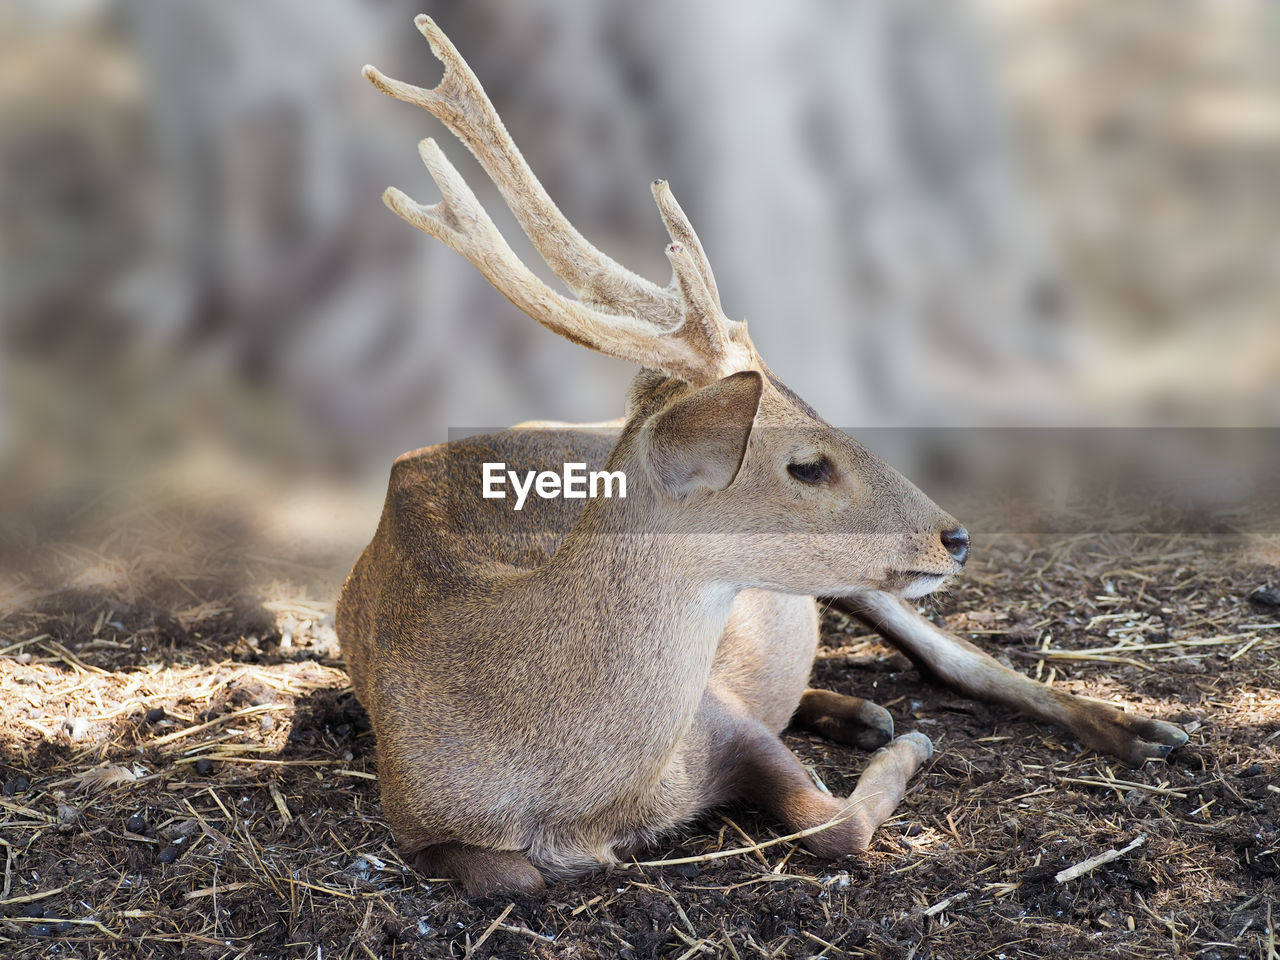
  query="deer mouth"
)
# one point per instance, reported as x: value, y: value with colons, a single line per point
x: 911, y: 584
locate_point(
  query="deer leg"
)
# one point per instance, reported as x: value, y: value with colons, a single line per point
x: 481, y: 872
x: 960, y: 666
x: 849, y: 720
x: 749, y: 763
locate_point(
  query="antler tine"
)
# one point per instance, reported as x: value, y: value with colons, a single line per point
x: 460, y: 102
x: 704, y: 327
x: 697, y: 283
x: 459, y: 221
x: 681, y: 231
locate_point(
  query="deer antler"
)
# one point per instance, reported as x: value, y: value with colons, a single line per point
x: 680, y: 329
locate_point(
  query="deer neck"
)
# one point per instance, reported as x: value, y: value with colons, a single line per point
x: 644, y: 602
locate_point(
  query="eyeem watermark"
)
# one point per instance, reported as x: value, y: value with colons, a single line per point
x: 573, y: 483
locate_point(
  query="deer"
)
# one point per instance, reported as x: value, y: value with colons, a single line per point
x: 554, y: 689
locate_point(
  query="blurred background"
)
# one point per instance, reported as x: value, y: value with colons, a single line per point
x: 933, y: 213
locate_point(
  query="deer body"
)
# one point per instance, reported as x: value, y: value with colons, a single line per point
x: 531, y: 648
x: 554, y: 686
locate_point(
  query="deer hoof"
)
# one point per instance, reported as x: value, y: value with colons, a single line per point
x: 1132, y: 739
x: 1156, y: 740
x: 923, y: 745
x: 878, y: 726
x: 844, y: 719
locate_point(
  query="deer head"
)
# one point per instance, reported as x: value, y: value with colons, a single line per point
x: 726, y: 447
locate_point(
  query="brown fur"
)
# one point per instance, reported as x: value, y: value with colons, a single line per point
x: 553, y: 686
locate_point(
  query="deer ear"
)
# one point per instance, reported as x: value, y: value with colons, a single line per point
x: 699, y: 441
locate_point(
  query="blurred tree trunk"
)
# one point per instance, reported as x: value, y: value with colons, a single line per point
x: 845, y: 164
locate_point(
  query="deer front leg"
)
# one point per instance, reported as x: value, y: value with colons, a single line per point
x: 960, y: 666
x: 747, y: 762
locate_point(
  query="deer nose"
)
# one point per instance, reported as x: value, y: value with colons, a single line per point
x: 957, y: 543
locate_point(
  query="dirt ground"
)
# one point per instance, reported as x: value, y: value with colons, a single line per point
x: 186, y: 773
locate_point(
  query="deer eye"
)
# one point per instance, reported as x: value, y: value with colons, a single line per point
x: 815, y: 471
